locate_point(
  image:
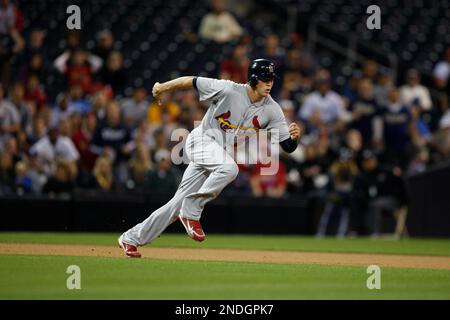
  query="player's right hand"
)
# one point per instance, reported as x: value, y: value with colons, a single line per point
x: 156, y: 91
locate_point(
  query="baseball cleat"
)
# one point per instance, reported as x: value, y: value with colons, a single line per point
x: 130, y: 250
x: 193, y: 228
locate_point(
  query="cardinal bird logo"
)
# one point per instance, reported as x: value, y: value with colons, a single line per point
x: 255, y: 123
x: 225, y: 124
x: 223, y: 119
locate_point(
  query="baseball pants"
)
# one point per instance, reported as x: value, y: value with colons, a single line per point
x: 210, y: 170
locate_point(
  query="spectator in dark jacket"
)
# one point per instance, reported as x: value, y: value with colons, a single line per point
x: 364, y: 109
x: 111, y: 136
x: 113, y: 73
x: 163, y: 178
x: 104, y: 45
x: 342, y: 176
x: 396, y: 119
x: 378, y: 189
x: 61, y: 182
x: 111, y: 139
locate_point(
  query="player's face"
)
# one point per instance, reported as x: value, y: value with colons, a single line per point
x: 263, y: 87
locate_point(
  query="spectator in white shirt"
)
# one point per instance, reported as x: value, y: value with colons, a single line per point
x: 62, y: 110
x: 441, y: 72
x: 54, y: 147
x: 9, y: 116
x: 135, y: 109
x: 219, y: 25
x: 323, y: 106
x: 415, y: 93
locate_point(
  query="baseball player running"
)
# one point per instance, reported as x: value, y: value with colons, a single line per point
x: 233, y: 108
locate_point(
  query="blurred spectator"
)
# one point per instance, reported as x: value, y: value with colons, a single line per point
x: 353, y: 141
x: 275, y: 53
x: 364, y: 109
x: 61, y: 110
x: 325, y: 153
x: 7, y: 174
x: 10, y: 46
x: 310, y: 169
x: 9, y: 116
x: 415, y: 93
x: 81, y: 138
x: 288, y: 110
x: 190, y: 109
x: 62, y: 181
x: 160, y: 139
x: 39, y: 130
x: 382, y: 88
x: 370, y: 71
x: 442, y: 138
x: 342, y: 176
x: 25, y: 110
x: 219, y: 25
x: 35, y: 45
x: 100, y: 101
x: 395, y: 131
x: 104, y: 45
x: 112, y: 139
x: 273, y: 186
x: 35, y: 66
x: 323, y: 106
x: 378, y: 189
x: 420, y: 132
x: 296, y: 83
x: 419, y: 161
x: 73, y: 42
x: 134, y: 109
x: 9, y: 146
x: 104, y: 179
x: 441, y: 71
x: 140, y: 163
x: 165, y: 107
x: 75, y: 120
x: 78, y: 66
x: 350, y: 89
x: 7, y: 17
x: 77, y: 100
x: 163, y: 179
x: 113, y: 73
x: 65, y: 127
x: 23, y: 183
x: 144, y: 134
x: 23, y: 145
x: 34, y: 93
x: 37, y: 175
x: 235, y: 68
x: 54, y: 147
x: 292, y: 162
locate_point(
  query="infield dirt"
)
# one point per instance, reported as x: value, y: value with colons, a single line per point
x: 255, y: 256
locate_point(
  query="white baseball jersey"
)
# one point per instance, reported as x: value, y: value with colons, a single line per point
x: 231, y: 111
x: 230, y: 114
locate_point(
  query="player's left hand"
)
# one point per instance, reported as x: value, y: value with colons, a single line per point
x: 294, y: 131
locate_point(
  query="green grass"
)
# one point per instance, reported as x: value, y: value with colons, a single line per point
x: 44, y: 277
x: 437, y: 247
